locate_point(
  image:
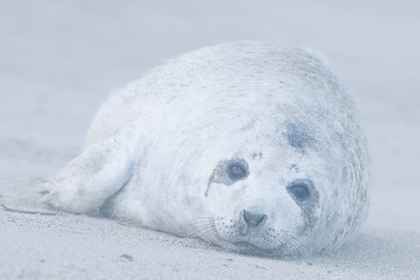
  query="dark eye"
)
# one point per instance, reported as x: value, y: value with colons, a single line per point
x: 229, y: 172
x: 300, y: 191
x: 236, y: 172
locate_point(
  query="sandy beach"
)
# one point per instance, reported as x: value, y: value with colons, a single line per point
x: 60, y: 59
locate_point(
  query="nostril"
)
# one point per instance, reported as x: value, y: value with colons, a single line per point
x: 253, y: 219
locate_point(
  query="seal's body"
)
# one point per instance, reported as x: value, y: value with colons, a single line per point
x: 252, y: 146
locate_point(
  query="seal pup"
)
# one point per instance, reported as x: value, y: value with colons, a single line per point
x: 252, y: 146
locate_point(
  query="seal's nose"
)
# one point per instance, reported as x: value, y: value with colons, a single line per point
x: 253, y: 219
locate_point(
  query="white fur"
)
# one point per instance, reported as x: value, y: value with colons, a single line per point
x: 157, y: 141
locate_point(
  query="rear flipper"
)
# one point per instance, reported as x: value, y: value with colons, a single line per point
x: 91, y: 178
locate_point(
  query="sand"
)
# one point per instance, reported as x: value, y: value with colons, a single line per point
x: 60, y: 59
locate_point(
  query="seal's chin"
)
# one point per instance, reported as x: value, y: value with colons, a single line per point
x: 246, y: 247
x: 251, y: 249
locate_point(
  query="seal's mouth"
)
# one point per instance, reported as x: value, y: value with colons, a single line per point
x: 205, y: 228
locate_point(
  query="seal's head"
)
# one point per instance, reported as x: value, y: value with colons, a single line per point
x: 265, y: 153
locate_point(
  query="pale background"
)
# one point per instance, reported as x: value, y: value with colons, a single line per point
x: 59, y: 60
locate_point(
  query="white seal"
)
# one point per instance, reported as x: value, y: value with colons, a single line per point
x: 252, y: 146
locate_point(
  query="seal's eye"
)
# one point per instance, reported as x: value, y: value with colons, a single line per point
x: 300, y: 191
x: 229, y: 172
x: 236, y: 172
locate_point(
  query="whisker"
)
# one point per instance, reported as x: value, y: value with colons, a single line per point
x: 198, y: 223
x: 293, y: 240
x: 204, y: 228
x: 296, y: 248
x: 289, y: 246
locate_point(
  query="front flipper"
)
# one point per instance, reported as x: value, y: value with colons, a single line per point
x: 91, y: 178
